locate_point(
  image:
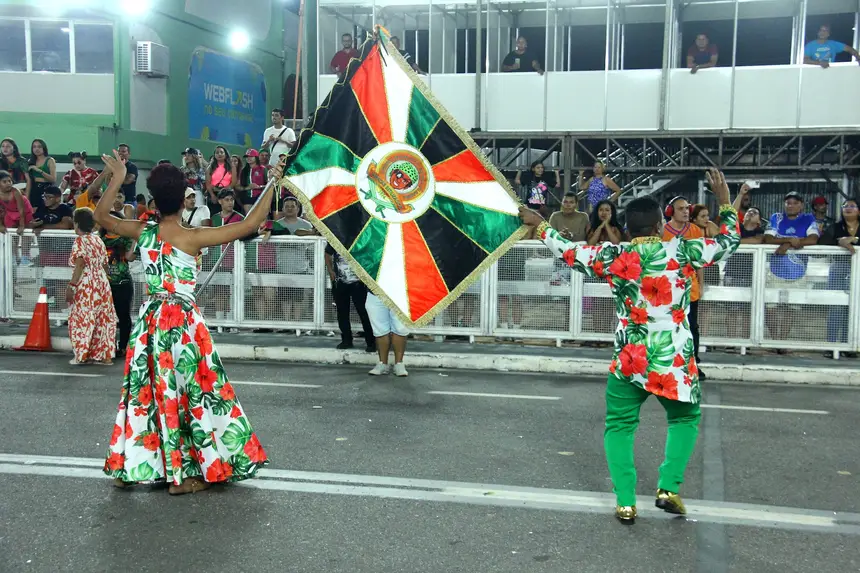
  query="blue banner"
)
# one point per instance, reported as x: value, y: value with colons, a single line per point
x: 226, y: 99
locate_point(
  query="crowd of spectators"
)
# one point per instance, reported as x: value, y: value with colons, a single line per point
x: 223, y: 187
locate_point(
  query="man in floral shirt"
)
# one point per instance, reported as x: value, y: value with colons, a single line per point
x: 654, y: 354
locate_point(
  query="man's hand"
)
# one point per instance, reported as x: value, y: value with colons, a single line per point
x: 824, y: 64
x: 694, y: 69
x: 795, y: 243
x: 782, y: 249
x: 744, y: 189
x: 21, y: 229
x: 718, y: 185
x: 530, y: 217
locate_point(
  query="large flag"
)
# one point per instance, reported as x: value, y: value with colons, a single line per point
x: 399, y: 189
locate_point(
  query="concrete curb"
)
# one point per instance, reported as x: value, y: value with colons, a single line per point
x: 766, y: 373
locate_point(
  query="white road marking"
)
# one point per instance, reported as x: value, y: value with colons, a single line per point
x: 70, y: 374
x: 471, y: 493
x: 284, y: 384
x: 442, y: 393
x: 760, y: 409
x: 484, y: 395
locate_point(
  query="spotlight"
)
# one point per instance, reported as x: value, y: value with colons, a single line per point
x: 239, y: 40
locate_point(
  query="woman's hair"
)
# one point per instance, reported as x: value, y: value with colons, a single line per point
x: 245, y: 175
x: 5, y: 175
x: 83, y: 219
x: 15, y: 152
x: 140, y: 198
x: 595, y: 221
x: 32, y: 160
x: 841, y: 215
x: 78, y: 154
x: 213, y: 163
x: 166, y: 184
x: 535, y: 164
x: 696, y: 209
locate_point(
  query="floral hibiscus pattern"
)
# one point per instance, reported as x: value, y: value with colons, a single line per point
x: 650, y: 281
x: 178, y: 414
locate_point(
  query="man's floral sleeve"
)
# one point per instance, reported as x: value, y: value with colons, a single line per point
x: 592, y: 261
x: 703, y: 252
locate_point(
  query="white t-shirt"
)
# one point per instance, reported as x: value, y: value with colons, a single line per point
x: 200, y: 214
x: 279, y: 147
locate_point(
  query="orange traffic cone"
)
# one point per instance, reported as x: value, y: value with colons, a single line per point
x: 39, y: 334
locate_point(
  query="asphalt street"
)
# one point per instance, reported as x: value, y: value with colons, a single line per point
x: 456, y: 471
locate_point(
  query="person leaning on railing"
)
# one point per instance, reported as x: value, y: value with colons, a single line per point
x: 843, y: 233
x: 738, y: 274
x: 791, y: 230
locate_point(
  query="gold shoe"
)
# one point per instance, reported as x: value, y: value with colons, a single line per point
x: 670, y: 502
x: 626, y: 514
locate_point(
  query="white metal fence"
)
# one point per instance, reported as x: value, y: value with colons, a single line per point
x: 283, y: 284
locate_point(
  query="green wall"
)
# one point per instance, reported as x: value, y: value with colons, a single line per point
x: 182, y: 33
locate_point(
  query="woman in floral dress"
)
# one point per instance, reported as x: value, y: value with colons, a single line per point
x: 179, y: 420
x: 92, y: 318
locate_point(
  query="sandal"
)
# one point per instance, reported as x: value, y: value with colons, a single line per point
x: 119, y: 484
x: 191, y: 485
x: 104, y: 363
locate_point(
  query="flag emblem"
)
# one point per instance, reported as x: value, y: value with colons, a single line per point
x: 399, y: 190
x: 395, y: 183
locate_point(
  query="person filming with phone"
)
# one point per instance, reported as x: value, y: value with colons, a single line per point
x: 521, y: 59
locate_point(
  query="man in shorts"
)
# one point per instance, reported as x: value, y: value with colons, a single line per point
x: 389, y: 332
x: 791, y: 230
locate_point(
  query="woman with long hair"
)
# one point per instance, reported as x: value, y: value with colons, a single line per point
x: 92, y: 318
x: 253, y: 179
x: 237, y: 167
x: 194, y: 168
x: 538, y: 184
x: 179, y: 420
x: 43, y: 171
x: 844, y: 233
x: 219, y: 176
x: 603, y: 224
x: 599, y: 187
x: 12, y: 162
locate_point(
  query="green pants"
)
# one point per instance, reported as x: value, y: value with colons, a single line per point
x: 623, y: 401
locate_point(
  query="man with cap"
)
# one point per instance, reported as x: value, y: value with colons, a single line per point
x: 194, y: 215
x: 791, y: 230
x: 819, y: 209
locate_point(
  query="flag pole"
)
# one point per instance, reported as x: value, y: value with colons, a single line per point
x: 298, y: 62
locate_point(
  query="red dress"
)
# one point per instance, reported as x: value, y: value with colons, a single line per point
x: 92, y: 317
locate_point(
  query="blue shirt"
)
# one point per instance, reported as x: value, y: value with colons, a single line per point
x: 825, y: 52
x: 790, y: 266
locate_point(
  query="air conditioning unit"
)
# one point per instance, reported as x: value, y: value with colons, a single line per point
x: 152, y: 60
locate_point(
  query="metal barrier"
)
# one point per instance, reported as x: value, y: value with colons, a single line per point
x: 748, y: 300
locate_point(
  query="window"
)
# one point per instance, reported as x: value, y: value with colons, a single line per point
x: 94, y: 48
x: 585, y: 48
x: 13, y: 46
x: 50, y: 44
x: 764, y: 41
x: 643, y: 46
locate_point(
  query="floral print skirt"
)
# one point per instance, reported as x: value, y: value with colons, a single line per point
x: 178, y: 414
